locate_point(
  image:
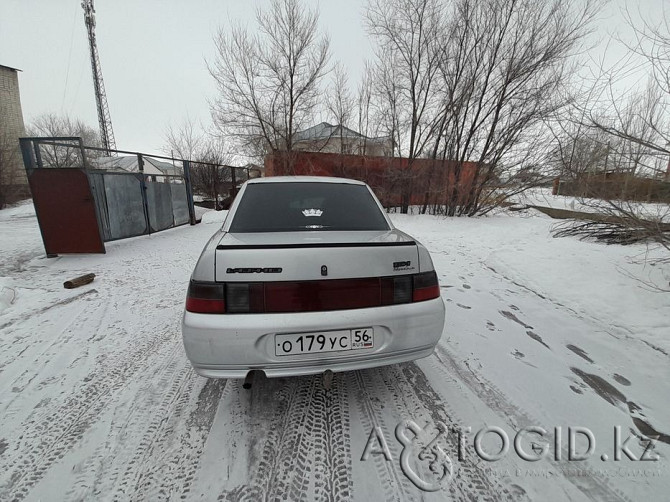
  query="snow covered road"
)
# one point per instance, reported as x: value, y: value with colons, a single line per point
x: 98, y: 401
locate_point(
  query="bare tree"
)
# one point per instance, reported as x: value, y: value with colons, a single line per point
x: 577, y: 150
x: 340, y: 103
x: 269, y: 83
x: 184, y: 141
x: 636, y: 124
x: 640, y: 117
x: 207, y: 153
x: 515, y: 70
x: 52, y: 125
x: 473, y: 80
x: 635, y: 127
x: 411, y: 41
x: 211, y: 174
x: 363, y: 108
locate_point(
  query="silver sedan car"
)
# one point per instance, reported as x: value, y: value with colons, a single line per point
x: 308, y: 275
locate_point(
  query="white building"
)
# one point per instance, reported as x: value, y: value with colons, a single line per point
x: 328, y: 138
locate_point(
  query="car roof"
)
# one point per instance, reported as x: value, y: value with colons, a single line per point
x: 304, y: 179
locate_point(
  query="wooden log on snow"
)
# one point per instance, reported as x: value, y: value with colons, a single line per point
x: 79, y: 281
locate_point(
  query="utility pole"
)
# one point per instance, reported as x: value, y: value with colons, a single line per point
x: 104, y: 119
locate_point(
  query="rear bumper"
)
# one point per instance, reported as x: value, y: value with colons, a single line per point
x: 229, y: 346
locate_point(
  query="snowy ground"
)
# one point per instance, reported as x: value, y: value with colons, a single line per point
x: 98, y: 402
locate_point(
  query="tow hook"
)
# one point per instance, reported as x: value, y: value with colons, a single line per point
x: 327, y: 379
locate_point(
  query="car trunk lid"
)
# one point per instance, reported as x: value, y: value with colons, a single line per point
x: 314, y: 255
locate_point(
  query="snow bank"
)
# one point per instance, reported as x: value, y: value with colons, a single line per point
x: 22, y: 209
x: 199, y: 211
x: 544, y: 197
x: 212, y: 216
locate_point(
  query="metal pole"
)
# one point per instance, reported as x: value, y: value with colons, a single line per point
x: 143, y: 187
x: 38, y: 154
x: 83, y: 153
x: 27, y: 153
x: 234, y: 182
x: 189, y: 191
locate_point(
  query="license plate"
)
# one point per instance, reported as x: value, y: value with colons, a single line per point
x: 326, y: 341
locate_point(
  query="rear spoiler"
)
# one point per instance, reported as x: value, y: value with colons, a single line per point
x: 323, y: 245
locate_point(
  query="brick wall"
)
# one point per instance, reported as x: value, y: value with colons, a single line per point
x: 392, y: 179
x: 11, y: 126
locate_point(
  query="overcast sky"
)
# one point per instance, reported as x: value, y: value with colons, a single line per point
x: 153, y: 56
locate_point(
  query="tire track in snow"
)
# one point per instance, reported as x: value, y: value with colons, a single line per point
x: 412, y: 393
x: 37, y: 353
x: 48, y: 439
x: 339, y: 431
x: 176, y: 437
x: 333, y: 465
x: 141, y: 468
x: 305, y: 452
x: 289, y: 472
x: 394, y: 485
x: 76, y: 418
x: 200, y: 420
x: 169, y: 375
x: 278, y: 430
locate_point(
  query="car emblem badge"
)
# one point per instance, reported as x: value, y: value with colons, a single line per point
x: 324, y: 270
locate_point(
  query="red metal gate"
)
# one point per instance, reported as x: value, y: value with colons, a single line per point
x: 65, y: 211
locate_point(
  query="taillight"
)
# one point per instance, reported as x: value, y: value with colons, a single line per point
x: 402, y: 289
x: 243, y: 297
x: 425, y: 286
x: 310, y: 296
x: 205, y: 298
x: 314, y: 296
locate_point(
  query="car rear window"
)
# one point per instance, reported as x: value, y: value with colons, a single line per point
x: 291, y: 207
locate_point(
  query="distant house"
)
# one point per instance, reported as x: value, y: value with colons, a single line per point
x: 328, y: 138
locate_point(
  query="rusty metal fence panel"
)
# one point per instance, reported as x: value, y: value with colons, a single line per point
x: 130, y: 194
x: 66, y: 211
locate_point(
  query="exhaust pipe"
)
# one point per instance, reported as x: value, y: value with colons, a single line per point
x: 248, y: 380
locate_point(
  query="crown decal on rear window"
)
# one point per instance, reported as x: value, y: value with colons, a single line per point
x: 312, y: 212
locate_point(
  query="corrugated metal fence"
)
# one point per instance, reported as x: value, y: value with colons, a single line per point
x: 128, y: 193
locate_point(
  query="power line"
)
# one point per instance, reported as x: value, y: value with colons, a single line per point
x: 69, y: 59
